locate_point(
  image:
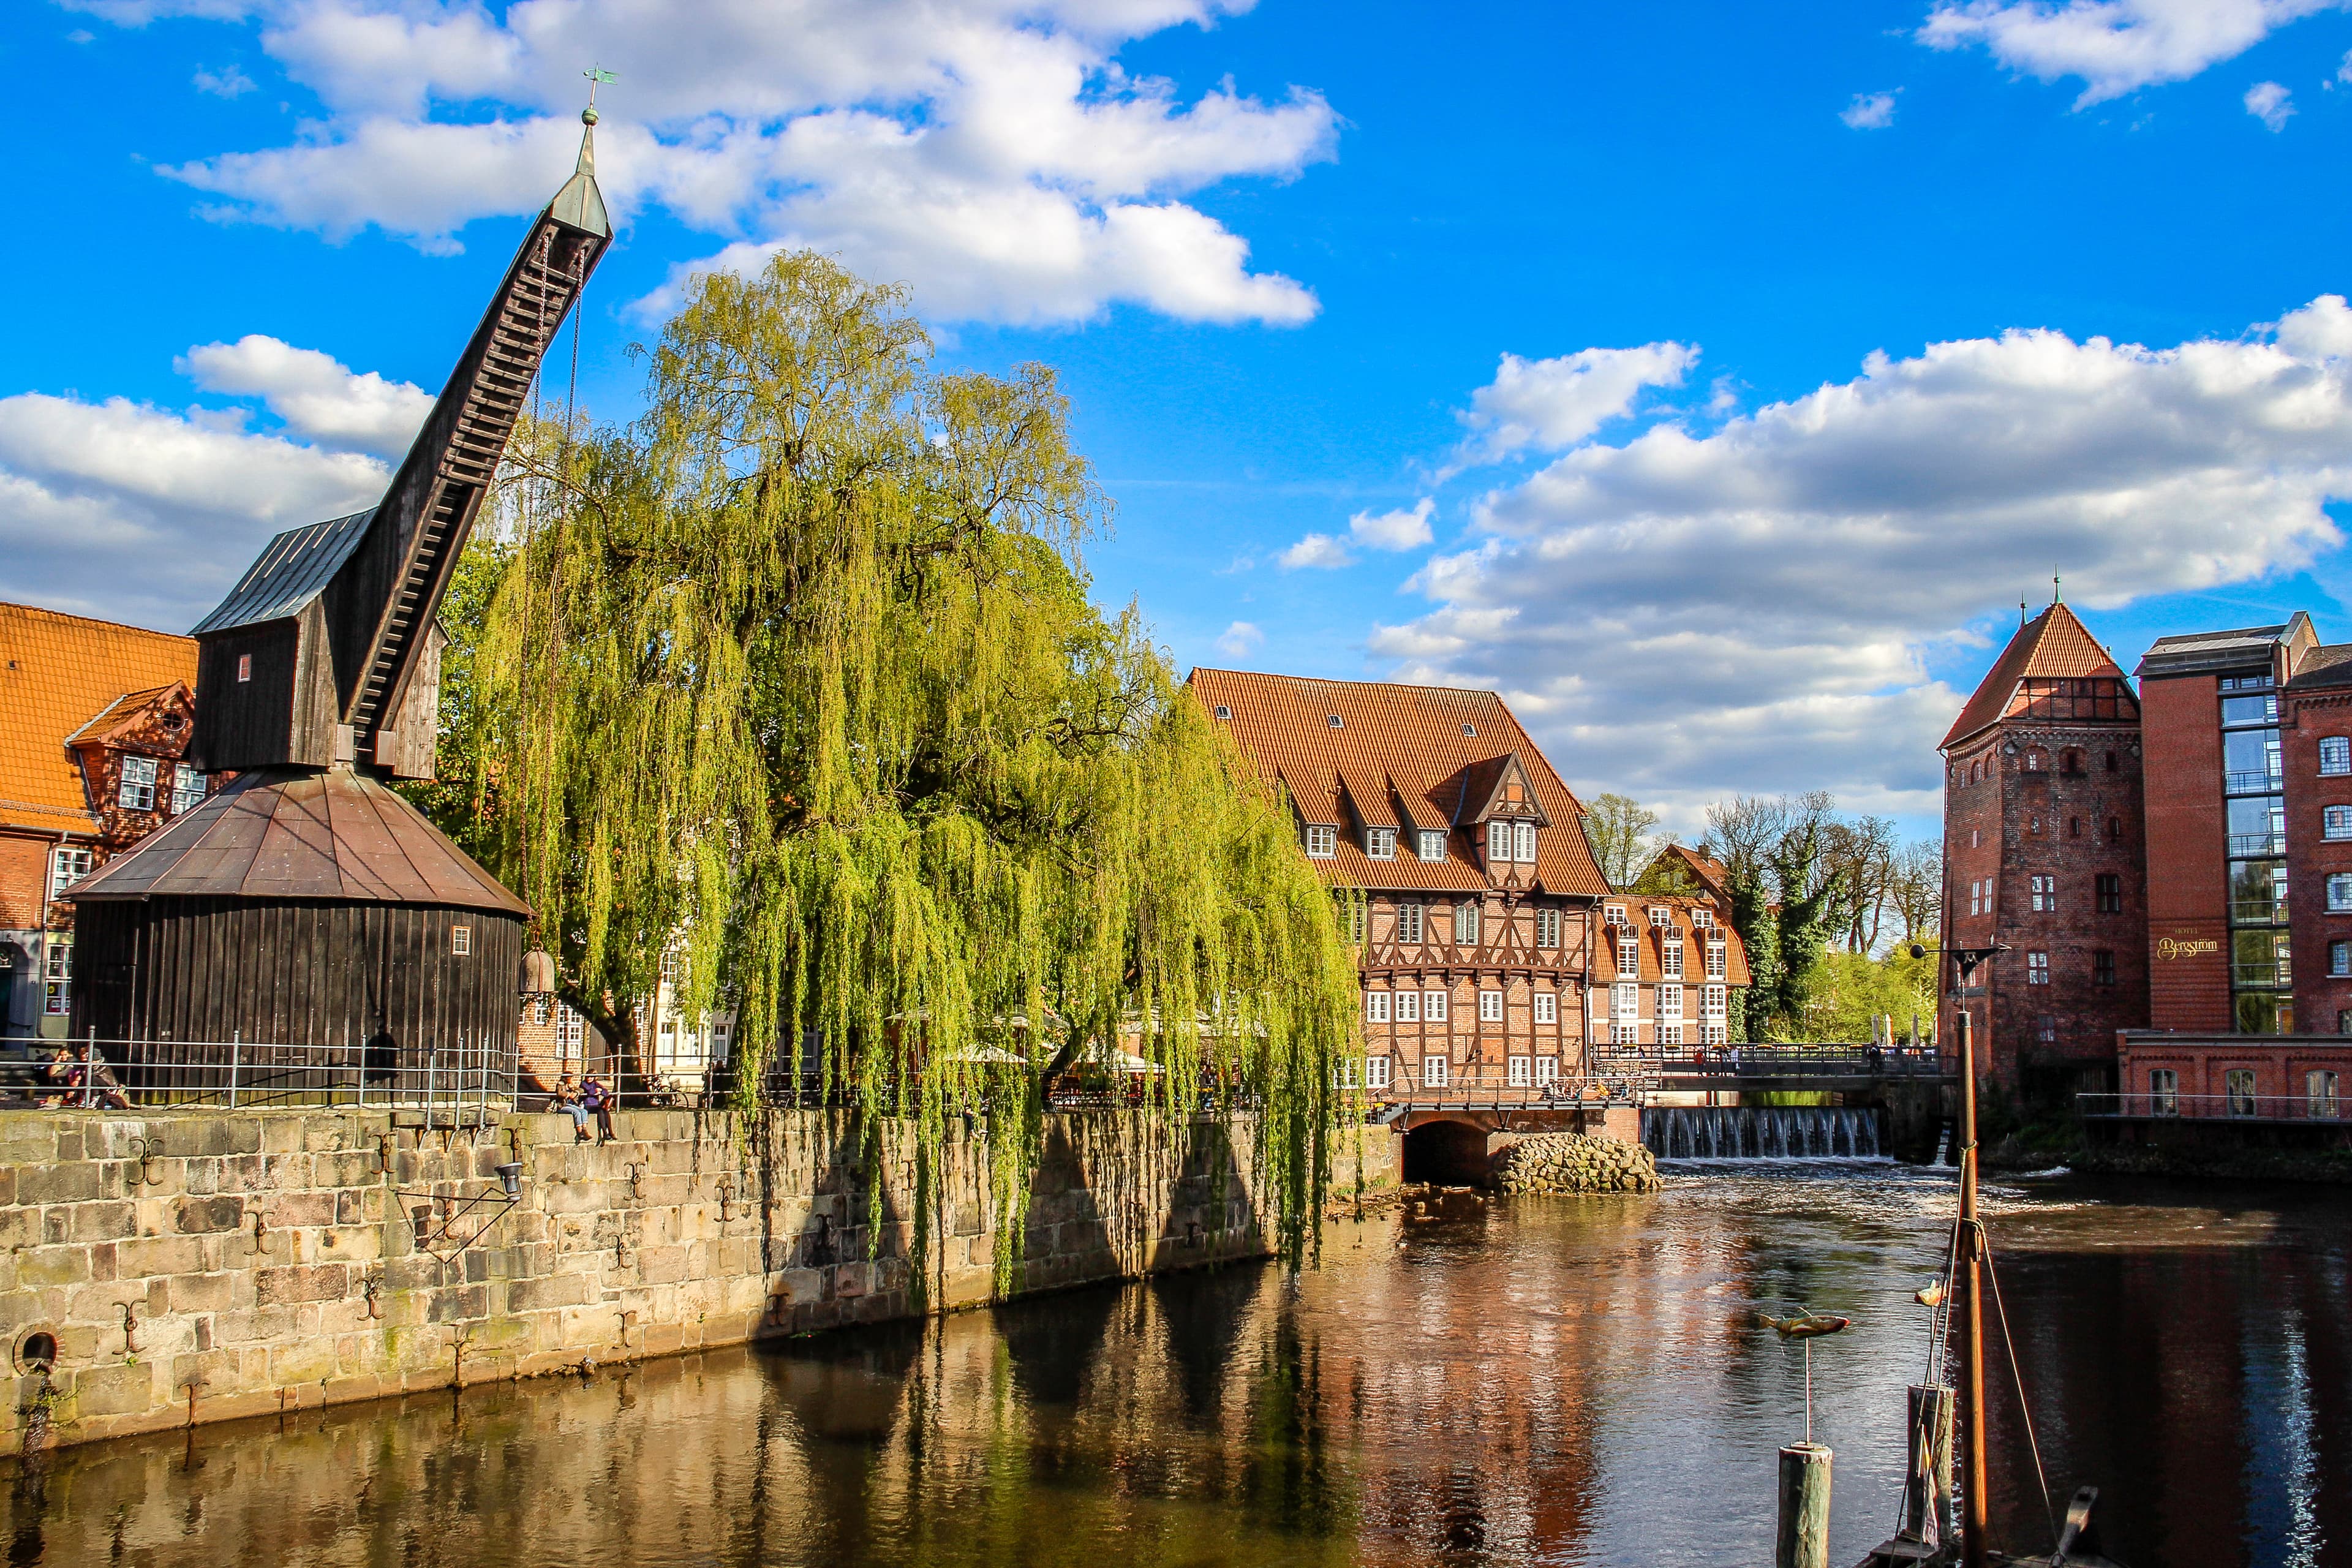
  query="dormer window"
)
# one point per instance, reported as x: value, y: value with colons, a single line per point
x: 1432, y: 844
x: 1334, y: 721
x: 187, y: 787
x: 1322, y: 843
x: 1701, y: 917
x: 1613, y: 914
x: 1470, y: 729
x: 1499, y: 841
x: 1223, y: 711
x: 1661, y: 917
x: 1523, y: 840
x: 1380, y: 842
x: 137, y: 790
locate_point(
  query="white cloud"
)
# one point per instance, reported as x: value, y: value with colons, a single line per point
x: 1869, y: 111
x: 1394, y: 530
x: 1317, y: 550
x: 130, y: 511
x: 2114, y: 46
x: 225, y: 83
x: 1555, y: 402
x: 2270, y: 103
x: 317, y: 397
x: 1239, y: 640
x: 1682, y: 616
x: 994, y: 153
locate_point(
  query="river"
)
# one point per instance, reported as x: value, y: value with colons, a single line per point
x: 1523, y: 1381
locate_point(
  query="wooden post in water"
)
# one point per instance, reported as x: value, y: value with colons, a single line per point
x: 1803, y: 1539
x: 1927, y: 1491
x: 1973, y: 1519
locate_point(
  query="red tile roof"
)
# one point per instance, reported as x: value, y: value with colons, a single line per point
x: 57, y: 674
x: 1434, y: 754
x: 2052, y: 646
x: 1683, y: 928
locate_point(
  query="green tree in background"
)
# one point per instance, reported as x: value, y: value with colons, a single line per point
x: 1618, y: 829
x: 799, y: 675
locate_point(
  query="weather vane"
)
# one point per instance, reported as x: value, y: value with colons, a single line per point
x: 597, y: 76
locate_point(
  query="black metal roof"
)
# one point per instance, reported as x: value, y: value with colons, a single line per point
x: 292, y: 570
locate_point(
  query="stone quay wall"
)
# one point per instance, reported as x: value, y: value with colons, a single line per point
x: 186, y: 1268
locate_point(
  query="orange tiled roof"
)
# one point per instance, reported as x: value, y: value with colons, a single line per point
x: 1707, y: 872
x: 2052, y: 646
x: 58, y: 674
x: 1653, y: 938
x: 1431, y: 753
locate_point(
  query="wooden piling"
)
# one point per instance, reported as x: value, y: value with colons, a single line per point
x: 1803, y: 1540
x: 1927, y: 1490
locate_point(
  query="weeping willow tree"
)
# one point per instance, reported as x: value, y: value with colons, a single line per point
x: 802, y: 684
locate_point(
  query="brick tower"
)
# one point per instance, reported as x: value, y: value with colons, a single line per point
x: 2042, y: 849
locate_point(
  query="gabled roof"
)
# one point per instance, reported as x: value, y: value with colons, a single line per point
x: 292, y: 570
x: 58, y: 673
x: 2052, y: 646
x: 1499, y: 786
x: 1427, y: 744
x: 2328, y: 666
x: 128, y: 712
x: 1709, y: 873
x: 336, y: 836
x: 1682, y: 929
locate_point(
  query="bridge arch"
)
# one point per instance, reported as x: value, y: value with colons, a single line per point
x: 1447, y: 1151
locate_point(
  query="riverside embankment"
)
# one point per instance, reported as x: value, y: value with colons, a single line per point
x: 166, y: 1269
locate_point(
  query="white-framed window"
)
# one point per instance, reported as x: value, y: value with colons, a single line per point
x: 1490, y: 1007
x: 1499, y: 841
x: 1670, y: 1034
x: 1432, y: 1072
x: 1408, y: 1007
x: 2037, y: 969
x: 2237, y: 1084
x: 1670, y: 1003
x: 1716, y: 966
x: 1347, y: 1072
x: 1713, y: 1003
x: 1628, y: 951
x: 461, y: 940
x: 1613, y: 914
x: 137, y: 790
x: 1376, y: 1007
x: 1380, y: 842
x: 1523, y: 841
x: 2335, y: 755
x: 1660, y: 916
x: 1547, y: 1070
x: 1669, y: 954
x: 2043, y: 892
x: 2340, y: 959
x: 1322, y: 843
x: 1376, y: 1072
x: 1522, y: 1072
x: 187, y: 787
x: 2340, y: 894
x: 1547, y: 1007
x: 1408, y: 922
x: 1432, y: 844
x: 1547, y: 928
x: 2164, y: 1091
x: 57, y: 978
x: 1432, y: 1007
x: 2336, y: 822
x: 2320, y: 1101
x: 1465, y: 922
x: 1624, y: 1002
x: 68, y: 864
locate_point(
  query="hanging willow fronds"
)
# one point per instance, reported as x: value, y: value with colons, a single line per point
x: 802, y: 680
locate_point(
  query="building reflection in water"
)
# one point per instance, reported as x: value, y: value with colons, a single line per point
x: 1546, y: 1382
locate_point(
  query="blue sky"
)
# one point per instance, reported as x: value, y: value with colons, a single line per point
x: 1832, y: 331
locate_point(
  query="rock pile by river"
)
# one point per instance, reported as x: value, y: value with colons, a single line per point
x: 1576, y: 1162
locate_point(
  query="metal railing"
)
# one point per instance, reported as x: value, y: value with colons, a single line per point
x: 2256, y: 781
x: 2316, y: 1105
x: 1803, y: 1061
x: 464, y: 1084
x: 2258, y: 843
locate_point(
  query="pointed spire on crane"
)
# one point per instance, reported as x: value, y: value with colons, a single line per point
x: 579, y: 204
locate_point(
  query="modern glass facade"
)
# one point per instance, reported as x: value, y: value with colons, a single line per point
x: 2261, y: 972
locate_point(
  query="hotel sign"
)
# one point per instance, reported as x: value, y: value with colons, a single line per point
x: 2186, y: 946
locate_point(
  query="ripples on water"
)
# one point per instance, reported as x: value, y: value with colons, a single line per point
x: 1537, y: 1381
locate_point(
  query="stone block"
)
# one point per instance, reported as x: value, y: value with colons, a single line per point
x: 293, y: 1209
x: 188, y: 1293
x: 29, y: 1138
x: 124, y: 1389
x: 198, y: 1216
x: 105, y: 1220
x: 286, y: 1286
x: 38, y: 1268
x: 349, y: 1168
x: 302, y: 1361
x: 78, y: 1181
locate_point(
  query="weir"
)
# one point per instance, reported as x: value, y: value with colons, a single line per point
x: 1760, y: 1133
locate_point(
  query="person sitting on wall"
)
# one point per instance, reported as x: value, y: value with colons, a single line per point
x: 567, y: 1103
x: 598, y: 1100
x: 105, y: 1089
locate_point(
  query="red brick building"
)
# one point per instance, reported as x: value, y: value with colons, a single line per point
x: 94, y: 720
x: 2043, y: 850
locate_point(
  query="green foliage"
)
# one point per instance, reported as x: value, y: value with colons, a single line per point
x: 460, y: 800
x: 1847, y: 989
x: 799, y: 672
x: 1618, y: 829
x: 1668, y: 878
x: 1751, y: 1013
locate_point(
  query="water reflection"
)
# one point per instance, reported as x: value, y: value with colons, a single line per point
x: 1542, y: 1382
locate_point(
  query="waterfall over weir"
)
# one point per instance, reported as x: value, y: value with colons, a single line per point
x: 1759, y: 1132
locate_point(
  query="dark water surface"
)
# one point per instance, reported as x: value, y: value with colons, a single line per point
x: 1554, y: 1381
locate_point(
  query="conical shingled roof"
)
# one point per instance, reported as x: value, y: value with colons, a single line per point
x: 336, y: 836
x: 2052, y: 646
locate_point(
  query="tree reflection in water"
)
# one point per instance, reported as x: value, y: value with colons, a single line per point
x: 1574, y: 1381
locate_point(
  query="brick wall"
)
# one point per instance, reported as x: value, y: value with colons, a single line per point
x: 2188, y: 919
x: 1505, y: 958
x: 197, y: 1267
x: 2323, y: 999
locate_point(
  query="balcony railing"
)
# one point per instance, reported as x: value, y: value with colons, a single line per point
x: 2259, y: 782
x: 2262, y: 974
x: 2318, y: 1105
x: 2258, y: 843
